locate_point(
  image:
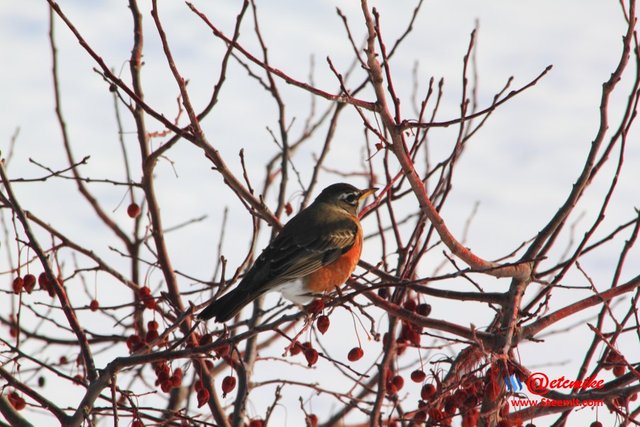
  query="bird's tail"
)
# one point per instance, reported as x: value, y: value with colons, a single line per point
x: 227, y: 306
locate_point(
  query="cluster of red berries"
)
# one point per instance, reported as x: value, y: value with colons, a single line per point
x: 394, y: 383
x: 28, y: 283
x: 16, y: 401
x: 165, y: 379
x: 310, y: 353
x: 223, y: 351
x: 614, y: 361
x: 145, y: 296
x: 441, y: 409
x: 135, y: 342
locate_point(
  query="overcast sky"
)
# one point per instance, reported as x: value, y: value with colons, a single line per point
x: 520, y: 166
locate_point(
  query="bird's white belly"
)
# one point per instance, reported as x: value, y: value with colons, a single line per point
x: 295, y: 292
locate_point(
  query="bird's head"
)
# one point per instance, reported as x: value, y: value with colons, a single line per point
x: 344, y: 196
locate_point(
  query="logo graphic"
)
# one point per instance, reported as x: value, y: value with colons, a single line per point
x: 537, y: 383
x: 513, y: 384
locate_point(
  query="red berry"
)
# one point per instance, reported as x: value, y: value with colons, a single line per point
x: 137, y: 423
x: 504, y: 411
x: 288, y: 209
x: 166, y: 385
x: 296, y: 348
x: 152, y: 334
x: 17, y: 285
x: 450, y: 407
x: 398, y: 382
x: 428, y: 391
x: 619, y: 370
x: 504, y: 423
x: 29, y: 282
x: 223, y: 350
x: 44, y: 283
x: 228, y: 384
x: 423, y: 309
x: 16, y: 401
x: 418, y: 376
x: 94, y: 305
x: 311, y: 354
x: 152, y: 325
x: 205, y: 339
x: 315, y: 306
x: 312, y: 420
x: 256, y: 423
x: 133, y: 210
x: 177, y: 373
x: 134, y: 342
x: 420, y: 416
x: 355, y: 353
x: 596, y: 424
x: 410, y: 305
x: 203, y: 397
x: 323, y: 324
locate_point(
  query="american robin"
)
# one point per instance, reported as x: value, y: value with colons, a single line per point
x: 316, y: 251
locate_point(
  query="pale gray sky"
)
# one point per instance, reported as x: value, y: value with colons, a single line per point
x: 520, y: 166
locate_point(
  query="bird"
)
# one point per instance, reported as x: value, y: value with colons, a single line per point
x: 314, y: 253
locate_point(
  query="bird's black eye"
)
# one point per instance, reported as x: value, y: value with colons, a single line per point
x: 351, y: 198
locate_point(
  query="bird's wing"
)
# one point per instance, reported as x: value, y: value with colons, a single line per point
x: 297, y: 253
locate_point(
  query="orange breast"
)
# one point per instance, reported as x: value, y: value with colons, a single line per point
x: 335, y: 274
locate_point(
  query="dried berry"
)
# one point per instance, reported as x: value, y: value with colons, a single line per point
x: 203, y: 397
x: 228, y: 384
x: 29, y: 282
x: 355, y: 353
x: 423, y: 309
x: 315, y: 306
x: 17, y: 285
x: 428, y: 391
x: 323, y: 323
x: 312, y: 420
x: 619, y: 370
x: 410, y: 304
x: 398, y: 382
x: 94, y: 305
x: 418, y: 376
x: 311, y: 354
x: 133, y: 210
x: 296, y: 348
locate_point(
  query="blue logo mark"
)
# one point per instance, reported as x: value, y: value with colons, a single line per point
x: 513, y: 383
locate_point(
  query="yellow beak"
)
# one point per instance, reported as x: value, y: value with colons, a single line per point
x: 367, y: 192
